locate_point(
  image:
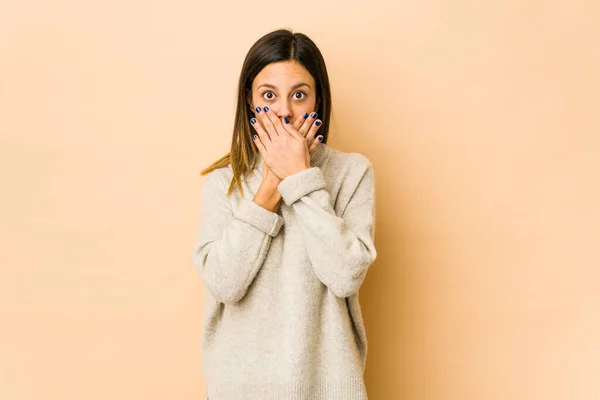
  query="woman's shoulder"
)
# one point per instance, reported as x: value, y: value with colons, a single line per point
x: 218, y: 177
x: 355, y: 160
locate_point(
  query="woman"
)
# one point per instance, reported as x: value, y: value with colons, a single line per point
x: 285, y: 239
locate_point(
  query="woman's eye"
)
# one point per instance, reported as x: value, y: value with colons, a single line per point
x: 299, y: 95
x: 269, y: 95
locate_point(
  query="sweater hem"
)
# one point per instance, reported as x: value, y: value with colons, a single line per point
x: 310, y: 389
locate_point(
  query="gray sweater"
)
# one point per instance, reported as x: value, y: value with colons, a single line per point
x: 282, y: 318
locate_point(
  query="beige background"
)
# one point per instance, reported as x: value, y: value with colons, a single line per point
x: 479, y: 116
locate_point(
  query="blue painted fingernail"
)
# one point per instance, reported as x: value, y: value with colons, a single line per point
x: 254, y: 137
x: 257, y: 109
x: 313, y: 115
x: 320, y: 138
x: 318, y: 123
x: 266, y: 109
x: 253, y: 121
x: 286, y: 120
x: 305, y: 115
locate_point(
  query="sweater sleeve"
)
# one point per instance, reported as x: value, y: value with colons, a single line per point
x: 340, y: 248
x: 231, y: 243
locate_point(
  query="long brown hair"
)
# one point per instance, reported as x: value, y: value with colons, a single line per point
x: 277, y: 46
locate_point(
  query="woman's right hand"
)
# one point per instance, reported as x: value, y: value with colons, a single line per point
x: 269, y: 176
x: 307, y: 126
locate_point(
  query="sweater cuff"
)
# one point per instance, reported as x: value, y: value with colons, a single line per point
x: 260, y: 218
x: 298, y: 185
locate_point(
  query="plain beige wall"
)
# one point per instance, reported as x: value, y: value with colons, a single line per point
x: 481, y: 121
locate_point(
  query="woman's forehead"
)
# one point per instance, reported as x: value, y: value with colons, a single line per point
x: 283, y: 75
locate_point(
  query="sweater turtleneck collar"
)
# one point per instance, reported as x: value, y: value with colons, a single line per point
x: 316, y: 158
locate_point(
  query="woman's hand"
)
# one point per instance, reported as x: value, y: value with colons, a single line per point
x: 269, y: 177
x: 307, y: 125
x: 285, y: 148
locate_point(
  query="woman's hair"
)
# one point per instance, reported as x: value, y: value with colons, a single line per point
x: 277, y: 46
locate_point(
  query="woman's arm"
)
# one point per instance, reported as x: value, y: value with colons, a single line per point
x: 267, y: 196
x: 340, y: 248
x: 232, y: 245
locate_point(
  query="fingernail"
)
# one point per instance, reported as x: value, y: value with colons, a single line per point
x: 320, y: 138
x: 305, y: 115
x: 257, y: 109
x: 286, y: 120
x: 253, y: 121
x: 313, y: 115
x: 318, y: 123
x: 266, y: 109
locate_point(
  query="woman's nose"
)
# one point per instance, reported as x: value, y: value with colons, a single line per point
x: 284, y: 109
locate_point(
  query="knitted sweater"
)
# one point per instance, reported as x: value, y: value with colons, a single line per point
x: 282, y: 318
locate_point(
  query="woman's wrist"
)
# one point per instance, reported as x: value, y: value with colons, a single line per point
x: 267, y: 196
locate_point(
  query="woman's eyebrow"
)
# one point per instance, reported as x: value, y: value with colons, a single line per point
x: 296, y: 86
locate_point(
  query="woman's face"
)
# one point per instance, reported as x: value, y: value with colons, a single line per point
x: 286, y: 87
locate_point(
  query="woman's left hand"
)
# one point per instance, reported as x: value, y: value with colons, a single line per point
x: 284, y: 150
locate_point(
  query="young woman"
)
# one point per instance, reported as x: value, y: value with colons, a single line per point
x: 285, y: 239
